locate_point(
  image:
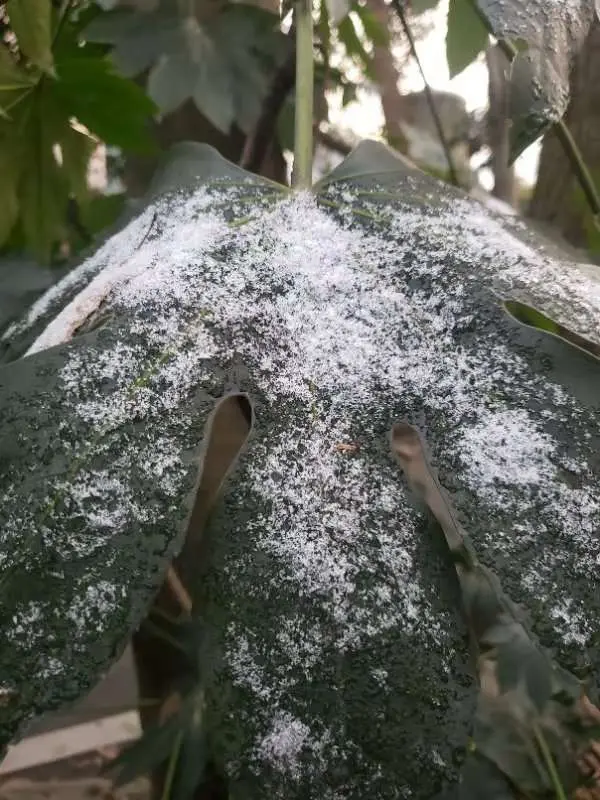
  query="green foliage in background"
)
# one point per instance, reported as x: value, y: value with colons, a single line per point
x: 58, y: 96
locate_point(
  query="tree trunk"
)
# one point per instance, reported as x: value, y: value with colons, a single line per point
x: 498, y: 134
x: 557, y: 199
x: 387, y: 76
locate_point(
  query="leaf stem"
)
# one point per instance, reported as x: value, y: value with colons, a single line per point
x: 168, y: 785
x: 303, y: 142
x: 569, y: 146
x: 550, y: 765
x: 398, y: 8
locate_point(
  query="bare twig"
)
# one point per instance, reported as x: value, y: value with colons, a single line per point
x: 258, y: 141
x: 399, y: 9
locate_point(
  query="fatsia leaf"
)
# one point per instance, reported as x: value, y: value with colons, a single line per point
x: 467, y: 35
x: 112, y: 107
x: 42, y: 188
x: 540, y: 78
x: 172, y: 81
x: 76, y: 150
x: 327, y: 599
x: 139, y: 38
x: 31, y: 23
x: 255, y: 48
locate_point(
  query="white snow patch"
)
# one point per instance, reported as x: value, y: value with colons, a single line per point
x: 284, y: 743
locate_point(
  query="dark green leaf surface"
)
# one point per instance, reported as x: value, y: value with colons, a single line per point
x: 113, y: 108
x: 340, y: 657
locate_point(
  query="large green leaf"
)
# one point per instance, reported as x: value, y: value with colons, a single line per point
x: 224, y: 65
x: 199, y: 70
x: 328, y: 599
x: 115, y: 109
x: 42, y: 188
x: 467, y: 35
x: 30, y: 20
x: 139, y: 38
x: 540, y: 85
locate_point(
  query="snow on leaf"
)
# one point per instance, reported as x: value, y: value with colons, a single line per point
x: 378, y: 298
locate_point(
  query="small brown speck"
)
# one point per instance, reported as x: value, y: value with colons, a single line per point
x: 346, y: 447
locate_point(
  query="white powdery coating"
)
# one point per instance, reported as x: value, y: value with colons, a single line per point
x: 317, y: 529
x: 572, y: 623
x: 340, y: 324
x: 490, y: 456
x: 567, y: 292
x: 284, y: 743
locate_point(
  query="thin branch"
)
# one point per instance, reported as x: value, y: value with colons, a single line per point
x: 398, y: 8
x: 258, y: 141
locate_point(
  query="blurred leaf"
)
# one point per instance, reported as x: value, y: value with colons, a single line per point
x: 76, y: 148
x: 199, y: 71
x: 337, y: 10
x: 212, y: 92
x: 31, y: 23
x: 139, y: 38
x: 112, y: 107
x: 42, y: 188
x: 354, y: 47
x: 171, y: 81
x: 374, y: 30
x: 101, y: 210
x: 255, y: 48
x: 224, y: 65
x: 467, y: 36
